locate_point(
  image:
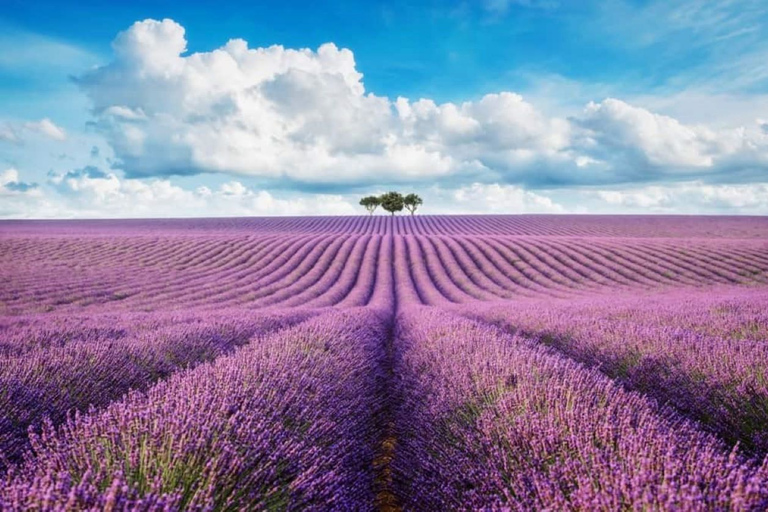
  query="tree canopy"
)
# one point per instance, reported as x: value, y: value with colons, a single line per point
x: 392, y: 202
x: 412, y: 202
x: 370, y: 203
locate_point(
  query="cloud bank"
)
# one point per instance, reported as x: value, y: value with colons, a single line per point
x: 304, y: 117
x: 273, y: 125
x: 89, y: 192
x: 92, y: 193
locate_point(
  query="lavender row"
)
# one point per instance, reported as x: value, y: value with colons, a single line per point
x: 289, y: 421
x: 110, y: 273
x: 515, y: 225
x: 52, y: 380
x: 705, y: 353
x: 489, y: 420
x: 25, y: 333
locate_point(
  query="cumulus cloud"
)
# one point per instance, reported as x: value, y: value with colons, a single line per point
x: 659, y: 140
x: 690, y: 197
x: 637, y: 145
x: 268, y: 112
x: 300, y: 115
x: 92, y: 193
x: 48, y: 128
x: 304, y: 117
x: 494, y: 198
x: 17, y: 132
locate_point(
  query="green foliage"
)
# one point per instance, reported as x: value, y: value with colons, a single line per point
x: 370, y: 203
x: 392, y: 202
x: 412, y: 202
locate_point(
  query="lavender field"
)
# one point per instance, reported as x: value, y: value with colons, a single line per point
x: 385, y: 363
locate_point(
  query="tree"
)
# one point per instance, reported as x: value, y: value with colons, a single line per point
x: 412, y: 202
x: 370, y: 203
x: 392, y: 202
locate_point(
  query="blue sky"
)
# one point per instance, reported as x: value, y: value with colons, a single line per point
x: 488, y: 106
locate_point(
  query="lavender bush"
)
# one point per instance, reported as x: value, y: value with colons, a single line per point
x: 374, y: 363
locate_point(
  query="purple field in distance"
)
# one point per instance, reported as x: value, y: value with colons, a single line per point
x: 385, y: 363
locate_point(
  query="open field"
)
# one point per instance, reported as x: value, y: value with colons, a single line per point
x: 363, y: 363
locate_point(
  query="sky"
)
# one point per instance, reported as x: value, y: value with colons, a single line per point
x: 194, y: 109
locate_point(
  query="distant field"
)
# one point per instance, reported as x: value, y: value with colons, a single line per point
x: 363, y: 363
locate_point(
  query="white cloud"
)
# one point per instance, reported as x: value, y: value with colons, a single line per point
x: 301, y: 118
x: 690, y: 197
x: 304, y: 117
x: 48, y: 128
x: 490, y: 198
x: 18, y: 132
x: 298, y: 114
x: 637, y: 145
x: 497, y: 122
x: 662, y: 140
x: 90, y: 193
